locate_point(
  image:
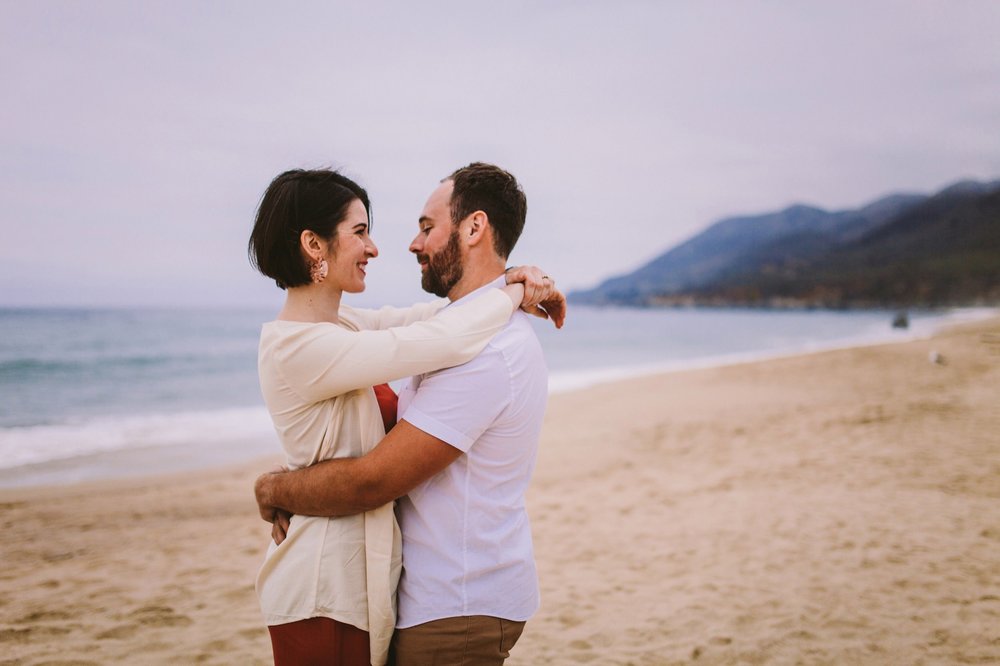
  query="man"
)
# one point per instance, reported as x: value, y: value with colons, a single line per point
x: 462, y: 452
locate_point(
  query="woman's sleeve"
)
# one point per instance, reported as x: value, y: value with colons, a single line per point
x: 388, y: 316
x: 325, y: 361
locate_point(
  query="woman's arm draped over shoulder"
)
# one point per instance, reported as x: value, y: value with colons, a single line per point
x: 389, y: 316
x: 321, y: 362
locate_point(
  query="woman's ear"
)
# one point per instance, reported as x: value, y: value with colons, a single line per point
x: 312, y: 245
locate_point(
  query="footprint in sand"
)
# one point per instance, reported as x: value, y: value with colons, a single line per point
x: 119, y: 632
x: 160, y: 616
x: 39, y: 616
x: 568, y: 620
x: 147, y: 616
x: 253, y: 633
x: 241, y: 593
x: 30, y: 634
x: 585, y: 653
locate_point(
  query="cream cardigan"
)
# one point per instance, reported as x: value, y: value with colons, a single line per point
x: 316, y: 379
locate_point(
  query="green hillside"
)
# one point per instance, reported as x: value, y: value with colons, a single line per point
x: 900, y: 251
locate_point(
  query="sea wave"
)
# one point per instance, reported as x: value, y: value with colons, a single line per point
x: 21, y: 446
x: 34, y: 365
x: 21, y: 366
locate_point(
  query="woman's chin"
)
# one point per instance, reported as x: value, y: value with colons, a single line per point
x: 356, y: 288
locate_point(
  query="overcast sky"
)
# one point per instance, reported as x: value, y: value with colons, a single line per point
x: 137, y: 137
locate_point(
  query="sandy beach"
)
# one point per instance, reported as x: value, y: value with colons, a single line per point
x: 834, y: 508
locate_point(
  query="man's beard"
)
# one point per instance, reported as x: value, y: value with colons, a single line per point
x: 444, y: 269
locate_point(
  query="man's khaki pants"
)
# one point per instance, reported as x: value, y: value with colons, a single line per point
x: 476, y: 640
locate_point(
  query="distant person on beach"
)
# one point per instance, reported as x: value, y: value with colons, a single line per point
x: 327, y: 586
x: 461, y: 456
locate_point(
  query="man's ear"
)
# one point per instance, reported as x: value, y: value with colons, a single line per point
x: 476, y: 228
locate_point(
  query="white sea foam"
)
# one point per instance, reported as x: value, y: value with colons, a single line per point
x: 46, y: 443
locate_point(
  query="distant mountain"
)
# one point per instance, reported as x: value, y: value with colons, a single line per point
x: 901, y: 250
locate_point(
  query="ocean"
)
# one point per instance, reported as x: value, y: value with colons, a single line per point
x: 89, y: 393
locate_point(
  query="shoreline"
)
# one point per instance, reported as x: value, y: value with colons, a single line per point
x: 835, y: 507
x: 597, y: 376
x: 213, y: 453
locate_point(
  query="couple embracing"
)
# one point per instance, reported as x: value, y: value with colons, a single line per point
x: 455, y: 451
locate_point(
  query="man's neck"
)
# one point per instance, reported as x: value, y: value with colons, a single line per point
x: 475, y: 276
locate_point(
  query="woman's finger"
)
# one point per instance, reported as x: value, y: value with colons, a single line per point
x: 535, y: 311
x: 536, y: 294
x: 556, y: 308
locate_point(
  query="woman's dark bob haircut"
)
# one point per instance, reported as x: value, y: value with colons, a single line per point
x: 298, y: 200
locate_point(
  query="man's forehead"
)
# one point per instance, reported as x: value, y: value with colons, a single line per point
x: 438, y: 202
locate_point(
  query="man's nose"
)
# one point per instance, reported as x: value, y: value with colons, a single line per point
x: 415, y: 245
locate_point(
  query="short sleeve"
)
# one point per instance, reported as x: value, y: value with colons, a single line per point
x: 458, y: 404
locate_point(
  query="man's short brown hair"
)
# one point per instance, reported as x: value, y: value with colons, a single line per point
x: 485, y: 187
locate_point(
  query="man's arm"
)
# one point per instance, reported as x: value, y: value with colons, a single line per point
x: 406, y: 457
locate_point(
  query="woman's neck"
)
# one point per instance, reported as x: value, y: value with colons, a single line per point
x: 311, y: 303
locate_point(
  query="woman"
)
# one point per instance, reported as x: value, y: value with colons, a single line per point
x: 328, y: 591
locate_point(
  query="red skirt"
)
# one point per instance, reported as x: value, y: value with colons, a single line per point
x: 319, y: 641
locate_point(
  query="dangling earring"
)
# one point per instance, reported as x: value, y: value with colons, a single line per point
x: 318, y: 270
